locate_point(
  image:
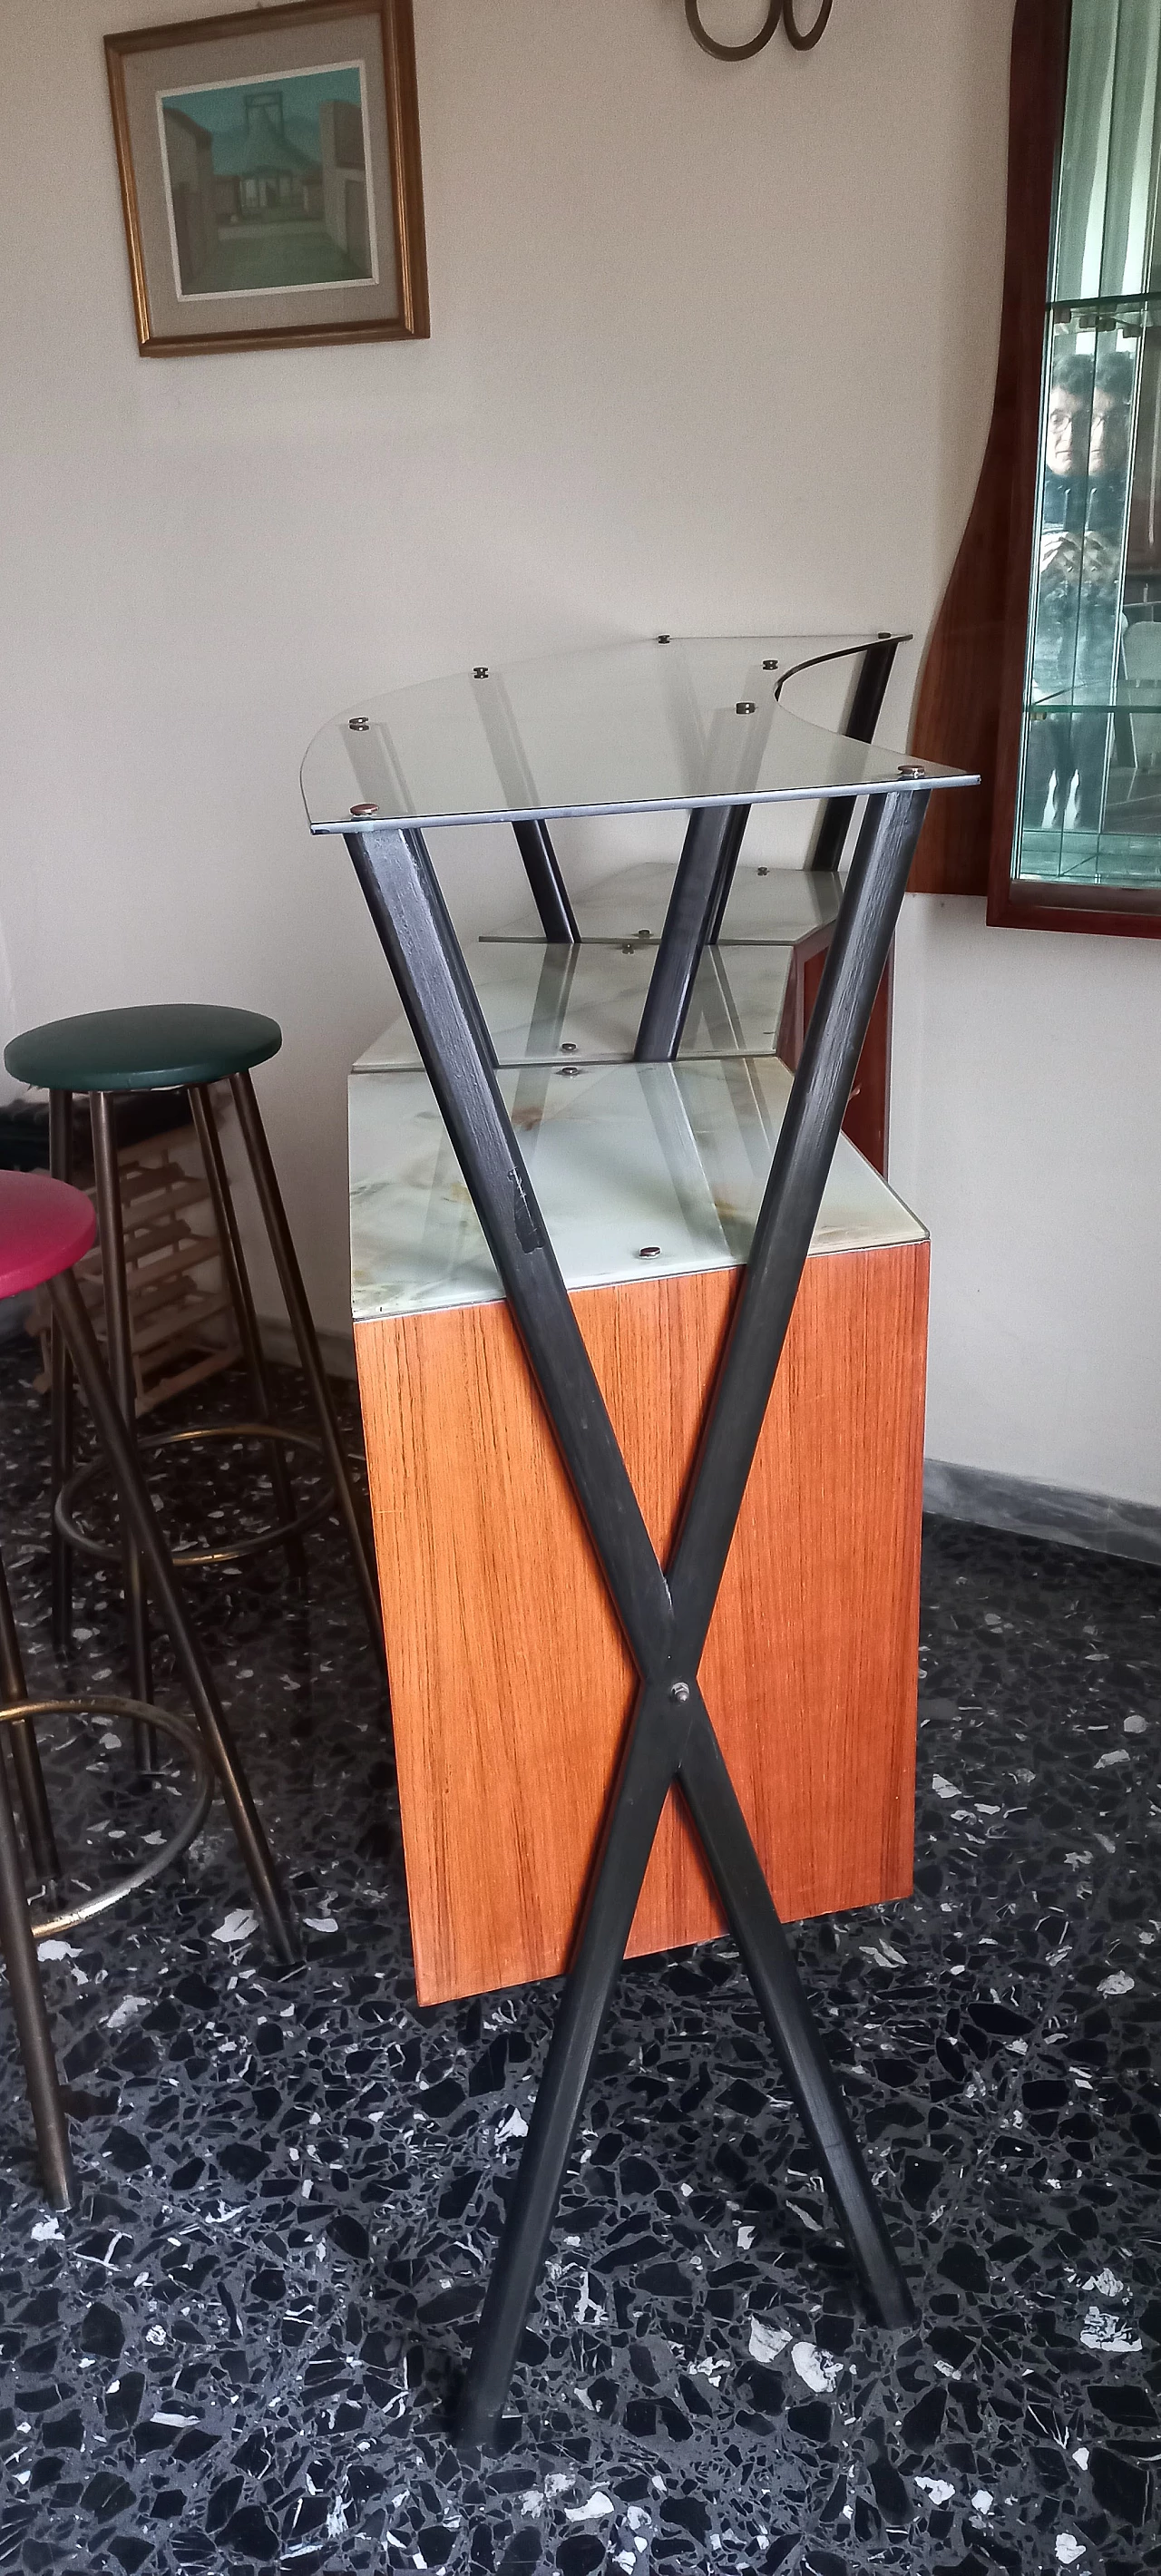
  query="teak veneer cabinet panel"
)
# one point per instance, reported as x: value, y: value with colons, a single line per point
x: 511, y: 1684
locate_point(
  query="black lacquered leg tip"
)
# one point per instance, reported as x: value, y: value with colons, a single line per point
x: 895, y: 2306
x: 469, y: 2443
x: 474, y: 2426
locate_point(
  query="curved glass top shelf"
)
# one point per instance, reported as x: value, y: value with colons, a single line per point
x: 635, y: 728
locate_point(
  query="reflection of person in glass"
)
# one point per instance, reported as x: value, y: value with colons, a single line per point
x: 1074, y: 656
x: 1066, y: 443
x: 1108, y: 444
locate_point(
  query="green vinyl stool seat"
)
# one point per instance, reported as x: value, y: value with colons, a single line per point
x: 191, y: 1047
x: 154, y: 1047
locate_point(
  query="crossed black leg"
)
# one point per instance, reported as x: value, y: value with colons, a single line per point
x: 737, y: 1873
x: 867, y: 697
x: 710, y: 850
x: 634, y: 1815
x: 549, y: 892
x: 672, y: 1742
x: 705, y: 874
x: 665, y: 1615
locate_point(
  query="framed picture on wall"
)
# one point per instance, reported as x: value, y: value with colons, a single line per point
x: 270, y: 177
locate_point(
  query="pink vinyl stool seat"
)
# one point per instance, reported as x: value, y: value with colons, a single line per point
x: 44, y: 1227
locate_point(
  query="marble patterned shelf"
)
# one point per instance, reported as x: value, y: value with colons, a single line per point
x: 544, y: 1004
x: 638, y: 1169
x: 767, y: 904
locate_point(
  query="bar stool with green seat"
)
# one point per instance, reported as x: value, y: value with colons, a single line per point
x: 153, y: 1047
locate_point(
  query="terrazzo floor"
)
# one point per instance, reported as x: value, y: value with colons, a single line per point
x: 238, y: 2353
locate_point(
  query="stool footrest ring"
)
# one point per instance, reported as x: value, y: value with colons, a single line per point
x: 273, y: 1534
x: 128, y: 1712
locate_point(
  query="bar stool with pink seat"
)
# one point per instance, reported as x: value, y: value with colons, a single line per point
x: 45, y: 1226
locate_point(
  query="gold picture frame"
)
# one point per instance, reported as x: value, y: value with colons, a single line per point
x: 270, y: 177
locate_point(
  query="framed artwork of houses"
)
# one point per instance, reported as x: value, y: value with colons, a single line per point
x: 270, y: 177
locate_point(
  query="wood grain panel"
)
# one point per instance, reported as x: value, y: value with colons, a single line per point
x: 511, y: 1684
x: 974, y: 640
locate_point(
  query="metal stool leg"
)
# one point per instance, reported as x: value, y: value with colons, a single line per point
x: 241, y: 1299
x: 141, y: 1519
x: 60, y: 1160
x: 32, y: 2026
x: 290, y: 1277
x: 120, y: 1348
x: 25, y: 1754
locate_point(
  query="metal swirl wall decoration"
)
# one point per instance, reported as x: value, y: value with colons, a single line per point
x: 801, y: 38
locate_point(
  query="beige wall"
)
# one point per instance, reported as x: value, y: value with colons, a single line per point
x: 711, y: 348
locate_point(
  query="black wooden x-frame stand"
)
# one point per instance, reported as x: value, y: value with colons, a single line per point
x: 665, y: 1614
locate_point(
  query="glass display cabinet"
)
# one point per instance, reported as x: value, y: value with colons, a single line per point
x: 1077, y: 822
x: 640, y: 1342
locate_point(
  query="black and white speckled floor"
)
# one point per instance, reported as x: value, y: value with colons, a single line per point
x: 237, y: 2354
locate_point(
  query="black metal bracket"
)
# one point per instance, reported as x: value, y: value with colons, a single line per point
x: 802, y: 39
x: 713, y: 836
x: 549, y: 891
x: 665, y: 1613
x: 708, y: 862
x: 862, y: 716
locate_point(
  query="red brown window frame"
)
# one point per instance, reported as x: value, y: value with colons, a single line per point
x: 970, y: 701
